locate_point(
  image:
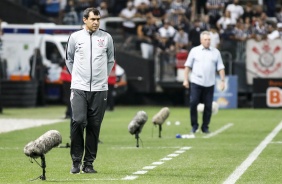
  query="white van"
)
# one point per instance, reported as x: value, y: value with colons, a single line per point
x: 19, y: 42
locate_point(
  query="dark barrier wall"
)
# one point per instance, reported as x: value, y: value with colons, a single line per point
x: 1, y: 108
x: 13, y: 13
x: 18, y: 93
x: 139, y: 72
x: 241, y: 72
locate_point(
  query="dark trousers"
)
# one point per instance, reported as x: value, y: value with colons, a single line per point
x: 111, y: 100
x: 66, y: 98
x: 213, y: 19
x: 40, y: 99
x: 201, y: 4
x: 164, y: 61
x: 200, y: 94
x: 88, y: 110
x: 1, y: 108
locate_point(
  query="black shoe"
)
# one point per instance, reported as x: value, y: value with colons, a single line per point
x: 194, y: 130
x: 206, y: 132
x: 75, y: 168
x: 88, y: 169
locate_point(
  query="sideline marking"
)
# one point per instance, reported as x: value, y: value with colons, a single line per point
x: 149, y: 167
x: 166, y: 158
x: 173, y: 155
x: 157, y: 163
x: 219, y: 130
x: 153, y: 165
x: 253, y: 156
x: 140, y: 172
x: 130, y: 178
x: 185, y: 148
x: 179, y: 151
x: 276, y: 142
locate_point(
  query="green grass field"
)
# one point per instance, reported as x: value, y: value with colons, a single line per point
x: 209, y: 160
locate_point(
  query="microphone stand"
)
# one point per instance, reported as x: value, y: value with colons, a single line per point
x: 137, y: 139
x: 43, y: 166
x: 160, y: 131
x: 64, y: 146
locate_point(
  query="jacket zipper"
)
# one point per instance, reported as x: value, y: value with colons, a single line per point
x: 90, y: 61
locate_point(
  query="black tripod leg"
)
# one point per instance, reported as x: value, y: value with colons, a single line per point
x: 160, y: 131
x: 43, y: 165
x: 137, y: 140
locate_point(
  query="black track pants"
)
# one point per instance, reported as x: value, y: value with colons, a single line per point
x: 88, y: 109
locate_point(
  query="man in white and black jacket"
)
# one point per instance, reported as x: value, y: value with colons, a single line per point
x: 89, y: 59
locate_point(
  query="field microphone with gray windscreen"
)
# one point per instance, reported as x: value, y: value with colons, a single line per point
x: 160, y: 118
x: 136, y: 124
x: 41, y: 146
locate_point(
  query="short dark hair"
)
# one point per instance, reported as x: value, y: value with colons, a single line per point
x: 88, y: 10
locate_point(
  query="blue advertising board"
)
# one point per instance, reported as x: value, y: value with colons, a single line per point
x: 227, y: 99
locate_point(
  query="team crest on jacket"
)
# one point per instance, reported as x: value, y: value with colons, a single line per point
x: 100, y: 43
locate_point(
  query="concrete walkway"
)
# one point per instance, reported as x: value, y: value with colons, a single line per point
x: 8, y: 125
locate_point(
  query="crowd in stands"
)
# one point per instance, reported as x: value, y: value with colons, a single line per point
x: 175, y: 25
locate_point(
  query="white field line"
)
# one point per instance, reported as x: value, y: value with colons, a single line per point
x: 8, y: 125
x: 82, y: 179
x: 157, y: 163
x: 253, y: 156
x: 166, y: 158
x: 134, y: 175
x: 155, y: 147
x: 276, y: 142
x: 153, y: 165
x: 219, y: 130
x: 10, y: 148
x: 130, y: 178
x: 140, y: 172
x: 179, y: 151
x: 149, y: 167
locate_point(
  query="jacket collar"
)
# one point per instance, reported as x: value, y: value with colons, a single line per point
x: 203, y: 48
x: 88, y: 32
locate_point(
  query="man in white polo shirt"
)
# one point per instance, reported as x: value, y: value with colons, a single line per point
x: 203, y: 62
x: 235, y: 9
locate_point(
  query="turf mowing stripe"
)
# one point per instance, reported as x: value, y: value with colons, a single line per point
x: 253, y: 156
x: 219, y: 130
x: 155, y: 164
